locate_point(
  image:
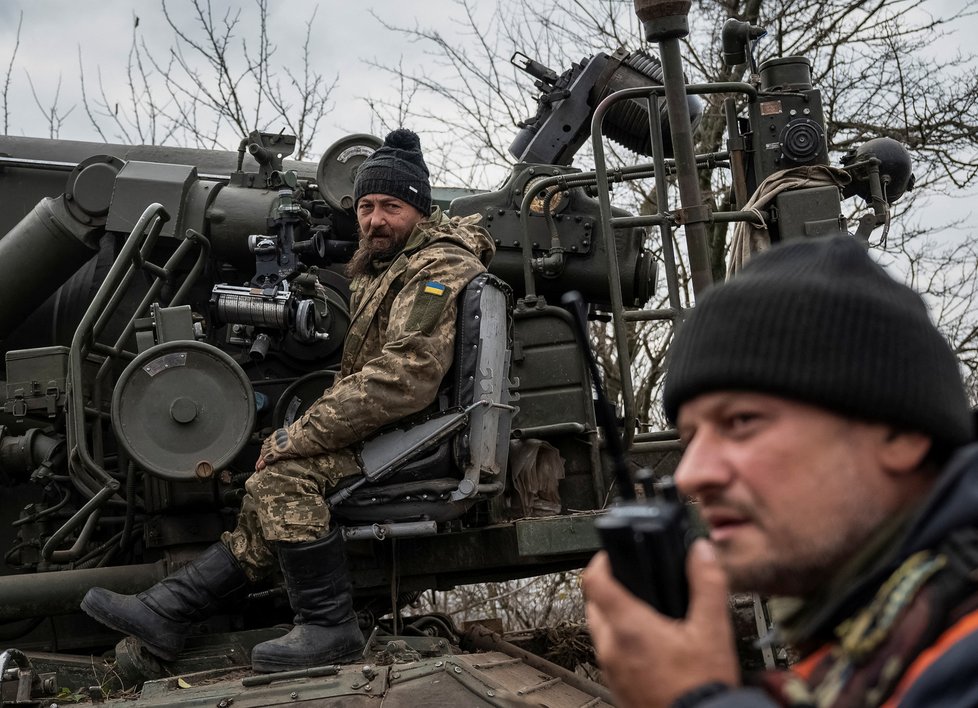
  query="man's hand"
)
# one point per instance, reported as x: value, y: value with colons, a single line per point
x: 277, y: 446
x: 649, y: 659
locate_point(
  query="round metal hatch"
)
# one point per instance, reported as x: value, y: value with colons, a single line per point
x: 88, y: 191
x: 338, y: 168
x: 183, y: 410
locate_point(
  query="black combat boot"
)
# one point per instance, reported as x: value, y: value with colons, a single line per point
x: 160, y: 617
x: 319, y: 591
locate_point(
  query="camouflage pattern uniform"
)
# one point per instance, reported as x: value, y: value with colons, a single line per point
x: 399, y: 346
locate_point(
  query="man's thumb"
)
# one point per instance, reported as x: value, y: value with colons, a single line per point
x: 707, y: 582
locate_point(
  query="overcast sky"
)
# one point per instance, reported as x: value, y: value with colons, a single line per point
x: 347, y: 39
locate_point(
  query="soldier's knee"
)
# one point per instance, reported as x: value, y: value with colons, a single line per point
x: 259, y: 479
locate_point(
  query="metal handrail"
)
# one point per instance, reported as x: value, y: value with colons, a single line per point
x: 86, y: 463
x: 664, y: 219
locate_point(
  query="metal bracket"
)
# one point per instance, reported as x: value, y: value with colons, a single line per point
x: 692, y: 215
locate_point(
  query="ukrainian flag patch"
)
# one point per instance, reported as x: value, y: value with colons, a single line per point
x: 428, y: 308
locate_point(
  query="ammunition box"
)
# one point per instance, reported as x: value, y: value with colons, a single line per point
x: 36, y: 381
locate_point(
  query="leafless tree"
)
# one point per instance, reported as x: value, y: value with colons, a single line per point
x: 869, y: 61
x: 942, y: 266
x: 53, y: 113
x: 214, y: 84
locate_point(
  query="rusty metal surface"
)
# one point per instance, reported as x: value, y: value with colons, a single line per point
x: 473, y: 680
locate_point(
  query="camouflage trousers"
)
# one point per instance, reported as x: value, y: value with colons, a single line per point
x: 285, y: 501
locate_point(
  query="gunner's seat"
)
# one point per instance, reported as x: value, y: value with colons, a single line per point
x: 436, y: 466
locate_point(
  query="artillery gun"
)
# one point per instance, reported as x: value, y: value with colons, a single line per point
x: 167, y: 308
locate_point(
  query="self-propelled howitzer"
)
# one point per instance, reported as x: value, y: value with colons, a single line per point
x: 174, y: 306
x: 167, y: 308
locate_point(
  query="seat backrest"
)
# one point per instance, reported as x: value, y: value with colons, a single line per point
x: 437, y: 466
x: 483, y: 348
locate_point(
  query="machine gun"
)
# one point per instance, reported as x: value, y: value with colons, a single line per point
x: 775, y: 122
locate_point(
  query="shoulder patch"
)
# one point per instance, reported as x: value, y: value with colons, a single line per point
x: 434, y: 288
x: 429, y: 307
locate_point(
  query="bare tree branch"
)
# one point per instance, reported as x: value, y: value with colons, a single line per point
x: 52, y: 114
x: 869, y: 61
x: 213, y: 85
x: 9, y: 74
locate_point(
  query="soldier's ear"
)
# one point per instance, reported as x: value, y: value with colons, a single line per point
x: 902, y: 452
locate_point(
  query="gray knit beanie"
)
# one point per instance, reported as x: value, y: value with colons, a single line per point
x: 817, y: 320
x: 396, y: 168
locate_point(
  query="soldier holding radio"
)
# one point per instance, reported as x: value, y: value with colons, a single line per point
x: 827, y: 443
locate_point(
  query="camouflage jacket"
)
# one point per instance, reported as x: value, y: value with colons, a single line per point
x: 401, y: 338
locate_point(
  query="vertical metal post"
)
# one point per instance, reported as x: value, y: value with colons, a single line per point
x: 665, y: 22
x: 695, y: 214
x: 662, y: 202
x: 617, y: 306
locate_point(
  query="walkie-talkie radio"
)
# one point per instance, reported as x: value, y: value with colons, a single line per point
x: 646, y: 539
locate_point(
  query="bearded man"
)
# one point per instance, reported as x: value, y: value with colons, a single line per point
x: 411, y: 264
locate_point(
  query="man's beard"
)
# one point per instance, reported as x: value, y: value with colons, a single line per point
x: 369, y: 260
x: 803, y: 565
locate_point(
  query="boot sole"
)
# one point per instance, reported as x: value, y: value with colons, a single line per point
x: 274, y: 667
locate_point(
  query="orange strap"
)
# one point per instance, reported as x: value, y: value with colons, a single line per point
x: 964, y: 627
x: 806, y: 666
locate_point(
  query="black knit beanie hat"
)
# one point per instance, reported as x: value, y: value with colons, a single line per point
x: 817, y: 320
x: 396, y: 168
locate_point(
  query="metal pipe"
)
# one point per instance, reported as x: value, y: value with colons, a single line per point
x: 665, y: 313
x: 736, y: 146
x: 89, y: 513
x: 687, y: 178
x: 662, y: 199
x: 55, y: 165
x: 657, y: 446
x: 38, y: 255
x: 198, y: 267
x: 60, y: 592
x: 58, y: 166
x: 625, y: 222
x: 380, y: 532
x: 529, y: 282
x: 80, y: 545
x: 20, y: 455
x: 732, y: 216
x: 85, y: 335
x: 670, y: 435
x: 544, y: 431
x: 606, y: 230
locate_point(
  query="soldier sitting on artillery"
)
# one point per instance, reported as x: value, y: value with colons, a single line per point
x: 409, y: 267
